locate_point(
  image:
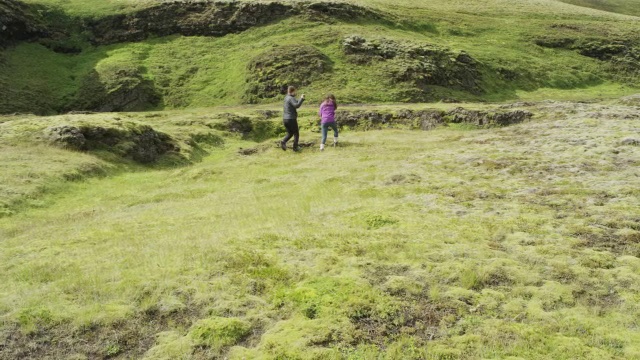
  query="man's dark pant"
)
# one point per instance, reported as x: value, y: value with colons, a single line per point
x: 292, y: 131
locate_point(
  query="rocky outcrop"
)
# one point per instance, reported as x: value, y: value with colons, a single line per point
x: 272, y: 71
x: 139, y: 142
x: 18, y: 23
x: 623, y: 54
x: 419, y: 64
x: 487, y: 118
x: 430, y: 119
x: 116, y: 89
x: 211, y: 18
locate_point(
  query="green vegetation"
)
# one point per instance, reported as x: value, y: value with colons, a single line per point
x: 181, y: 231
x: 177, y: 72
x: 628, y: 7
x: 515, y: 242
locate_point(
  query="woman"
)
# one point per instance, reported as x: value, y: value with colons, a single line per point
x: 328, y: 116
x: 290, y: 118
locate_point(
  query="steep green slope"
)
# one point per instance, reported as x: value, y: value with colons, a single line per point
x: 99, y: 68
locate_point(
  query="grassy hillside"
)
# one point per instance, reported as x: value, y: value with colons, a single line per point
x: 628, y: 7
x: 196, y: 71
x: 161, y: 221
x: 518, y: 242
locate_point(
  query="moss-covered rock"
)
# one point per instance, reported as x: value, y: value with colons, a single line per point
x: 622, y: 54
x: 272, y: 71
x: 139, y: 142
x: 418, y: 64
x: 17, y: 22
x: 213, y: 18
x: 430, y: 119
x: 116, y: 89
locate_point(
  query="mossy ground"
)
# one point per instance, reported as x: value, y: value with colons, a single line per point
x: 516, y: 242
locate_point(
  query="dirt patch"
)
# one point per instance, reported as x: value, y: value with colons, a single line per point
x: 125, y: 340
x: 271, y: 72
x: 416, y: 317
x: 620, y: 239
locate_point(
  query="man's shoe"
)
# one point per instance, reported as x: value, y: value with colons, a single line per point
x: 283, y: 145
x: 321, y: 147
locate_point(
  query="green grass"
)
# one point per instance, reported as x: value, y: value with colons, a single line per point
x: 517, y: 242
x: 627, y: 7
x: 193, y: 72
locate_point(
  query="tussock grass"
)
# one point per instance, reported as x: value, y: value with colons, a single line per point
x: 454, y: 243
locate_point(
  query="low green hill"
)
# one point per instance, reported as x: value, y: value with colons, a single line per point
x: 124, y: 55
x: 627, y: 7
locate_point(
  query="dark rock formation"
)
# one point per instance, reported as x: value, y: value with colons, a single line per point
x: 623, y: 54
x: 211, y: 18
x: 119, y: 89
x: 185, y: 18
x: 69, y: 137
x: 139, y: 142
x: 429, y: 119
x: 272, y: 71
x: 486, y: 118
x: 18, y: 23
x: 421, y: 65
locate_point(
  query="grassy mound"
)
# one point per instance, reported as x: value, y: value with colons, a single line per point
x: 421, y: 66
x: 271, y: 72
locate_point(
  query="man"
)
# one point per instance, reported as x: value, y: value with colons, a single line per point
x: 290, y: 117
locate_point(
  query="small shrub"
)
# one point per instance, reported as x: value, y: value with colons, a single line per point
x: 377, y: 221
x: 218, y: 333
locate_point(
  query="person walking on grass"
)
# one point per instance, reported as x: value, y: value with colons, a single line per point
x: 290, y: 118
x: 328, y: 119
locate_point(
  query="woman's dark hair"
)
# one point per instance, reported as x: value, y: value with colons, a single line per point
x: 332, y: 98
x: 291, y: 90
